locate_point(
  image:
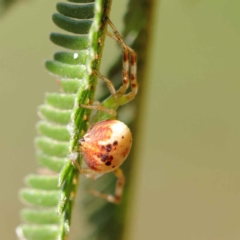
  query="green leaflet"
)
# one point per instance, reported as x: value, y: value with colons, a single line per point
x: 72, y: 58
x: 42, y: 182
x: 40, y: 216
x: 63, y: 122
x: 40, y: 198
x: 70, y: 25
x: 66, y: 70
x: 38, y: 232
x: 53, y: 131
x: 53, y: 163
x: 70, y: 42
x: 76, y: 11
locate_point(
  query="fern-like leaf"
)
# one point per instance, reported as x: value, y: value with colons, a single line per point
x: 63, y: 122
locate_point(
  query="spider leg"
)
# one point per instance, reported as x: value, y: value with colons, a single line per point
x: 118, y: 190
x: 125, y: 67
x: 133, y: 78
x: 109, y: 85
x: 128, y: 77
x: 100, y: 108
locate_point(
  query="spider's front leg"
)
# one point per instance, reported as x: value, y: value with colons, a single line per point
x: 129, y: 70
x: 129, y: 77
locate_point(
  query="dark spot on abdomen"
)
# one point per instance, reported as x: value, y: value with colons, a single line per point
x: 109, y: 148
x: 103, y: 157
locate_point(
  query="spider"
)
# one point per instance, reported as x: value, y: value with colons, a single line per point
x: 107, y: 144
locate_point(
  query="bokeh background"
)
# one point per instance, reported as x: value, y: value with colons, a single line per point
x: 187, y: 182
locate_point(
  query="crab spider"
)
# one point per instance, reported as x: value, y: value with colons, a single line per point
x: 107, y: 143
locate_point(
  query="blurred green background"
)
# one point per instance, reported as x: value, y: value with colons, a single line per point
x: 187, y: 181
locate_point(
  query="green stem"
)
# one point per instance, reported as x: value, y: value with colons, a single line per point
x: 79, y: 118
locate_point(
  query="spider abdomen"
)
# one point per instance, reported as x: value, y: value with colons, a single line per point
x: 106, y: 145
